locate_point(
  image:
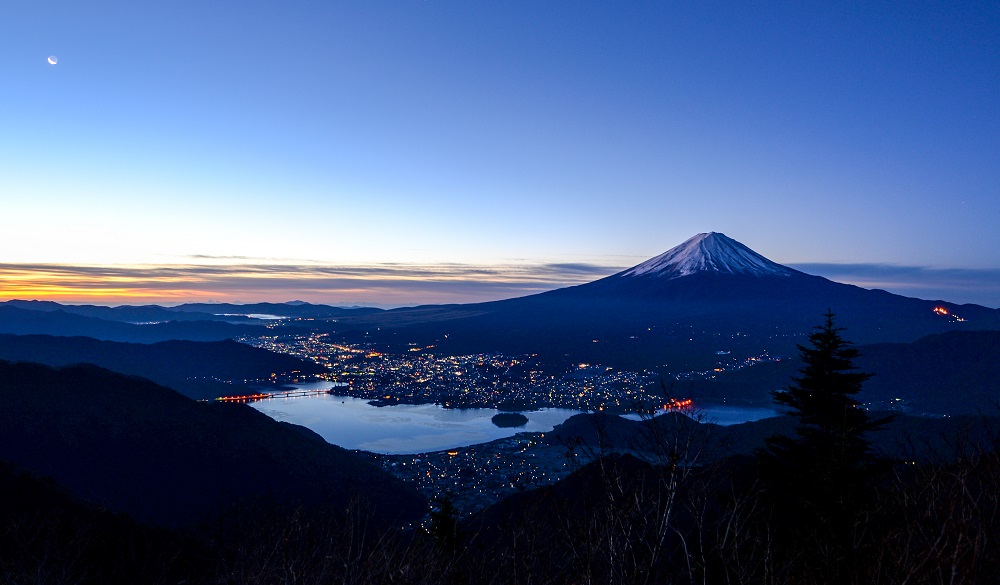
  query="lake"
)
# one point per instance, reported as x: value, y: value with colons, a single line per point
x: 352, y: 423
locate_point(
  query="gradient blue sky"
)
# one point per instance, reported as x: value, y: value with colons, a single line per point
x: 443, y: 151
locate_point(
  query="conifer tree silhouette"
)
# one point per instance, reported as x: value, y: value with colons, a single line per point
x: 822, y: 472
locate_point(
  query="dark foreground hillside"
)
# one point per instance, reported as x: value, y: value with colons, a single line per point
x: 626, y: 520
x: 136, y: 447
x: 619, y: 520
x: 277, y: 505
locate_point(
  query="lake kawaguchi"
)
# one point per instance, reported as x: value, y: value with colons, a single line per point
x: 352, y: 423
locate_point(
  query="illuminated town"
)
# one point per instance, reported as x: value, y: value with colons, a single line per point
x: 419, y: 376
x: 477, y: 476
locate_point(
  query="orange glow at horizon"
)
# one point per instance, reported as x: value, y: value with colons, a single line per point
x: 388, y: 285
x: 56, y: 283
x: 103, y: 295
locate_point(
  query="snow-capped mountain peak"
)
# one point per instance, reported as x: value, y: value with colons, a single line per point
x: 710, y: 252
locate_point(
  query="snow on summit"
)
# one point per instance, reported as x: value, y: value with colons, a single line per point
x: 711, y: 252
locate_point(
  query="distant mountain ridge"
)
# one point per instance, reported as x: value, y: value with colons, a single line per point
x: 951, y: 372
x: 292, y: 309
x: 124, y: 313
x: 228, y: 312
x: 152, y: 323
x: 198, y: 370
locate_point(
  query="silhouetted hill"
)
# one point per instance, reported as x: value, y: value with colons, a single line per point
x: 904, y: 438
x: 196, y: 369
x: 562, y: 530
x: 953, y: 372
x: 51, y: 537
x: 20, y: 321
x: 299, y: 310
x: 597, y: 431
x: 146, y: 314
x: 949, y: 373
x: 572, y: 494
x: 228, y: 312
x: 134, y: 446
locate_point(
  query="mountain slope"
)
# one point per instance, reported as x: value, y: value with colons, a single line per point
x: 953, y: 372
x: 133, y: 446
x: 673, y: 312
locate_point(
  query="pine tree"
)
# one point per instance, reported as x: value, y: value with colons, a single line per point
x: 820, y: 481
x: 829, y: 462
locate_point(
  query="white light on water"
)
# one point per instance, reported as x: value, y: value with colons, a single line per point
x: 352, y: 423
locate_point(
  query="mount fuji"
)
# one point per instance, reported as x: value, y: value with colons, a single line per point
x: 709, y: 296
x: 710, y: 263
x: 711, y: 252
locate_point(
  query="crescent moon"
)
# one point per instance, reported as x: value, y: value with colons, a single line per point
x: 53, y: 60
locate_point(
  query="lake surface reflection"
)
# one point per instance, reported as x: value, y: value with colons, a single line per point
x: 352, y: 423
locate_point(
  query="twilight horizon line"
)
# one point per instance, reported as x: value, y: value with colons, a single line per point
x: 390, y: 285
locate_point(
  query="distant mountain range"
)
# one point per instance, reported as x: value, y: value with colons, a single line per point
x: 151, y: 323
x: 199, y: 370
x: 18, y: 321
x: 290, y: 310
x: 227, y: 312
